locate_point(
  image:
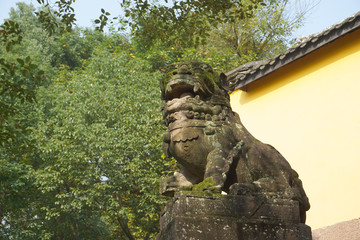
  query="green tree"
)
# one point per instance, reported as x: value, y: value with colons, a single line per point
x: 102, y: 134
x: 263, y: 35
x: 182, y: 23
x: 94, y: 163
x: 35, y: 60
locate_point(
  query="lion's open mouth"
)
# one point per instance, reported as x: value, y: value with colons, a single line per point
x: 180, y: 89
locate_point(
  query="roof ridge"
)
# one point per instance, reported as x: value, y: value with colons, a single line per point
x: 238, y: 78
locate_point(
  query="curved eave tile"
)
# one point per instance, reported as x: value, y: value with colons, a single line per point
x: 314, y: 42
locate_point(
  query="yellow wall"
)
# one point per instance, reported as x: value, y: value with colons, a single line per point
x: 310, y: 111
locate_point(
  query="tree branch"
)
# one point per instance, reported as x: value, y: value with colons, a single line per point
x: 125, y: 227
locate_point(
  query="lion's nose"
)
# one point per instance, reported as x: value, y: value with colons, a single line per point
x: 183, y: 71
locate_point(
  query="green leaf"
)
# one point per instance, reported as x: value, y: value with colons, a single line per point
x: 19, y: 60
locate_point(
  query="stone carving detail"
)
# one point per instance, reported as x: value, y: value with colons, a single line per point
x: 209, y: 140
x: 231, y: 217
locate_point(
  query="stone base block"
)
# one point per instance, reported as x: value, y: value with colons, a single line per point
x: 230, y: 218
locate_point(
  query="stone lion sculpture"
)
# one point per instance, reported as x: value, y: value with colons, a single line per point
x: 208, y: 139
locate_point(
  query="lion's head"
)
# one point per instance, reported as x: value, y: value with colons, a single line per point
x: 192, y: 79
x: 193, y: 90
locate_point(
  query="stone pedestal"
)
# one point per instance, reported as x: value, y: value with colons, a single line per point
x: 231, y: 217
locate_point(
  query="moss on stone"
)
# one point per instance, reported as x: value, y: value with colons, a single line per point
x: 205, y: 188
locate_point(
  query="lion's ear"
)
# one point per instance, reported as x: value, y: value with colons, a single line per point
x: 223, y: 81
x: 165, y: 148
x: 166, y: 144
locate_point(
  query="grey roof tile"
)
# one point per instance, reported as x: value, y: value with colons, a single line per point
x: 252, y: 71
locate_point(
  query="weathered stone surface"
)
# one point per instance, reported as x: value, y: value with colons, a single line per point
x: 265, y: 200
x: 232, y: 217
x: 209, y: 140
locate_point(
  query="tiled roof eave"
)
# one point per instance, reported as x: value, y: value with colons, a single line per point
x: 317, y: 41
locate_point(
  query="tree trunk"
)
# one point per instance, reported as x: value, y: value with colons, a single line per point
x: 125, y: 227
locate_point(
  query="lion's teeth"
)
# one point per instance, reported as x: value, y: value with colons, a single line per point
x: 196, y: 88
x: 168, y: 89
x: 186, y: 94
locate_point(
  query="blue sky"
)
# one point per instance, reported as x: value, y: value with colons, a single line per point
x: 327, y: 13
x: 323, y: 15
